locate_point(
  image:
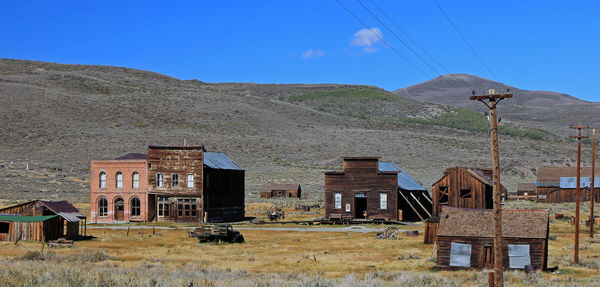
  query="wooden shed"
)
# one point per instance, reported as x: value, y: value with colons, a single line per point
x: 525, y: 191
x: 40, y: 220
x: 368, y: 189
x: 465, y: 239
x: 559, y: 184
x: 290, y: 190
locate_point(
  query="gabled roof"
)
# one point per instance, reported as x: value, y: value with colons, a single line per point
x: 484, y: 175
x: 133, y: 156
x: 526, y: 187
x: 61, y: 208
x: 268, y: 186
x: 219, y: 160
x: 516, y: 223
x: 405, y: 181
x: 550, y: 176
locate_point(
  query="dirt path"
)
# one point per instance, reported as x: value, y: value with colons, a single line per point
x: 353, y: 228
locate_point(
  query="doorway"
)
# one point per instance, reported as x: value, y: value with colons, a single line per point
x: 487, y: 259
x: 360, y: 205
x: 119, y: 209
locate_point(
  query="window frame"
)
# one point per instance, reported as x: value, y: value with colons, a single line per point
x: 174, y: 180
x: 337, y: 200
x: 102, y: 183
x: 135, y: 182
x: 383, y: 203
x: 102, y: 210
x: 190, y: 183
x: 160, y: 180
x: 132, y: 207
x: 119, y: 180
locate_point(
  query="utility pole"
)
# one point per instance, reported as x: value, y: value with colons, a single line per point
x: 492, y: 102
x: 579, y: 138
x: 592, y: 187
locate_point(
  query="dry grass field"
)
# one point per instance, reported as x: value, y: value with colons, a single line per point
x: 275, y: 258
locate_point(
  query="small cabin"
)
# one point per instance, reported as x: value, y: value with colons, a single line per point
x: 41, y: 221
x: 465, y: 239
x: 526, y: 191
x: 289, y: 190
x: 559, y: 184
x: 368, y: 189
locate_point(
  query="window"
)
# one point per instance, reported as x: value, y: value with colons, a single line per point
x: 443, y: 195
x: 163, y: 206
x: 159, y: 180
x: 135, y: 179
x: 518, y: 256
x: 180, y: 210
x: 4, y: 227
x: 190, y: 180
x: 338, y: 200
x: 102, y: 179
x: 383, y: 201
x: 174, y: 179
x: 543, y: 196
x: 119, y: 180
x: 465, y: 193
x: 102, y: 207
x: 194, y: 210
x: 135, y: 206
x: 187, y: 209
x: 460, y: 254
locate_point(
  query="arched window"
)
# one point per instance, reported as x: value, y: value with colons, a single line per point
x: 135, y: 206
x: 102, y: 179
x: 135, y: 179
x: 102, y: 207
x: 119, y: 180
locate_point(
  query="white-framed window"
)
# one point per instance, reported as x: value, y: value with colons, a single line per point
x: 460, y: 254
x: 159, y: 179
x: 135, y: 180
x: 174, y: 179
x: 102, y: 179
x: 337, y: 199
x: 383, y: 201
x: 119, y: 178
x: 102, y: 207
x: 163, y: 206
x: 518, y: 256
x: 543, y: 196
x: 190, y: 180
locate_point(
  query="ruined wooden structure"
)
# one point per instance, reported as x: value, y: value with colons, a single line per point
x: 526, y: 191
x: 558, y: 184
x: 41, y: 221
x: 189, y: 184
x: 289, y: 190
x: 368, y: 189
x: 465, y: 239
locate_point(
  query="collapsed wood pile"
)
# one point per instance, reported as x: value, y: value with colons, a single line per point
x: 389, y: 233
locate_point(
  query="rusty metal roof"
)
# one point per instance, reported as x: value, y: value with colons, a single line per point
x: 405, y: 181
x: 550, y: 176
x: 64, y: 209
x: 218, y: 160
x: 516, y: 223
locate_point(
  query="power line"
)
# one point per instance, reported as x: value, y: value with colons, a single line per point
x: 408, y: 36
x: 465, y: 40
x: 383, y: 40
x: 394, y: 34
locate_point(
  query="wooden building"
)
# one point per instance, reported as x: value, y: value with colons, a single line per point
x: 368, y: 189
x: 188, y: 184
x: 559, y: 184
x: 525, y: 191
x: 465, y: 239
x: 41, y: 221
x: 464, y: 187
x: 271, y: 189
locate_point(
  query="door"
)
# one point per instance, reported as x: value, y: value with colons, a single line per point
x: 487, y: 258
x: 119, y: 209
x: 187, y: 212
x: 360, y: 207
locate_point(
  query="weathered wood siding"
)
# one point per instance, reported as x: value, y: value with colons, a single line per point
x: 431, y: 230
x: 224, y: 192
x: 537, y: 248
x: 33, y: 231
x: 362, y: 176
x: 457, y: 180
x: 181, y: 161
x: 558, y: 195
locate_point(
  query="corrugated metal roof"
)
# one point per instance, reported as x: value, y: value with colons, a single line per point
x: 19, y: 218
x: 133, y: 156
x: 405, y: 181
x: 571, y: 182
x: 65, y: 210
x: 219, y: 160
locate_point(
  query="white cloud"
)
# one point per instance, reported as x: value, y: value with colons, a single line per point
x: 312, y: 54
x: 367, y: 39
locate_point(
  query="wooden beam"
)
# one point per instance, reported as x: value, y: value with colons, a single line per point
x: 413, y: 208
x: 413, y: 196
x: 427, y: 197
x: 492, y: 96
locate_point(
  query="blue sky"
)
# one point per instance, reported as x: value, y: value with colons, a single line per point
x: 549, y: 45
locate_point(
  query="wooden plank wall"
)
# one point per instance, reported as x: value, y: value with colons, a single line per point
x: 179, y: 161
x: 224, y: 194
x: 538, y: 251
x: 431, y: 230
x: 563, y: 195
x: 362, y: 176
x: 458, y: 180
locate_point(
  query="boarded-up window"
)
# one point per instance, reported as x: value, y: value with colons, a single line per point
x: 190, y: 180
x: 383, y: 201
x: 460, y: 255
x: 518, y: 256
x: 338, y: 200
x: 443, y: 195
